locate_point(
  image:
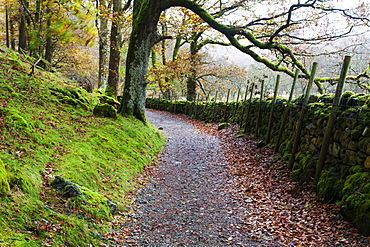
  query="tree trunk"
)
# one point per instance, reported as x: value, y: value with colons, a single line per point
x: 103, y: 44
x: 22, y: 38
x: 143, y: 36
x: 48, y: 45
x: 191, y: 85
x: 7, y: 26
x: 115, y: 54
x: 12, y: 33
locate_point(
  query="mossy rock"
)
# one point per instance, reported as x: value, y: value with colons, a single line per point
x: 105, y: 99
x: 327, y: 98
x: 77, y: 94
x: 329, y: 186
x: 4, y: 179
x: 105, y: 110
x: 58, y: 90
x: 355, y: 204
x: 347, y: 94
x: 68, y: 100
x: 67, y: 189
x: 84, y: 199
x: 223, y: 126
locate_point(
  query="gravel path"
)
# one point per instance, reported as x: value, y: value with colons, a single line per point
x: 187, y: 201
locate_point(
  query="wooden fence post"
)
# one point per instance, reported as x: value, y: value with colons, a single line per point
x: 286, y: 112
x: 236, y: 103
x: 243, y: 105
x: 214, y: 107
x: 297, y: 135
x: 332, y: 116
x: 159, y: 99
x: 268, y: 135
x: 195, y: 106
x: 258, y: 120
x: 226, y: 104
x: 248, y: 109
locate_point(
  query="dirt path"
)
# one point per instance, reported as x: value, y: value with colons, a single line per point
x: 213, y: 189
x: 187, y: 202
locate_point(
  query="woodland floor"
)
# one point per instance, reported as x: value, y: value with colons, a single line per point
x: 213, y: 189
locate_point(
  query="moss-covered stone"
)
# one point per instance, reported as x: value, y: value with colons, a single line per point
x: 4, y: 179
x: 105, y: 99
x: 223, y: 126
x: 329, y: 186
x: 105, y: 110
x: 355, y: 201
x: 357, y: 132
x: 77, y: 94
x: 84, y: 199
x: 68, y: 100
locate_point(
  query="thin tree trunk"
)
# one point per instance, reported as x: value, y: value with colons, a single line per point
x: 22, y: 36
x: 103, y: 45
x: 12, y: 33
x: 114, y: 56
x: 7, y: 26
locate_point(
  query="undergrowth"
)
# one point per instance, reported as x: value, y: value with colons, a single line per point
x: 48, y: 129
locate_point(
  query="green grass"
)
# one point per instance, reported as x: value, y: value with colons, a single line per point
x: 47, y: 129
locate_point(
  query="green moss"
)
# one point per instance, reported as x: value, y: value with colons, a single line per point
x: 348, y: 94
x: 296, y: 174
x: 77, y: 93
x: 4, y: 179
x: 223, y: 126
x: 326, y: 98
x: 356, y: 133
x: 329, y: 186
x: 105, y: 99
x: 41, y: 137
x: 92, y: 204
x: 105, y: 110
x: 355, y: 169
x: 356, y: 200
x: 16, y: 120
x: 285, y: 146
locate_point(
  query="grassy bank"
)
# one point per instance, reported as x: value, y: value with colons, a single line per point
x: 47, y: 130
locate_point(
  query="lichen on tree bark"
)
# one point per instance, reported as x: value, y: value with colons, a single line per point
x: 143, y: 36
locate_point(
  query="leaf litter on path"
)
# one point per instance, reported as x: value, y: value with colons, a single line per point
x: 227, y: 192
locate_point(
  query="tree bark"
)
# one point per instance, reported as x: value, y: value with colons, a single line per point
x: 7, y: 26
x: 143, y: 36
x: 103, y: 44
x: 22, y: 36
x: 191, y: 83
x: 12, y: 33
x: 115, y: 54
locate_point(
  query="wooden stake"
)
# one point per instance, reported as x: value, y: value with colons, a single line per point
x: 248, y: 109
x: 236, y: 103
x: 297, y: 135
x: 244, y: 106
x: 258, y: 120
x: 332, y: 116
x: 214, y: 107
x: 286, y: 112
x: 269, y: 127
x: 227, y: 102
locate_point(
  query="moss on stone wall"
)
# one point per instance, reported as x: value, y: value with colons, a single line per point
x: 355, y: 203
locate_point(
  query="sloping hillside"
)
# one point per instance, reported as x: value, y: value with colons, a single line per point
x: 47, y: 130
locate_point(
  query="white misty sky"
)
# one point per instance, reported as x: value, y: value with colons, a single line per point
x: 237, y: 57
